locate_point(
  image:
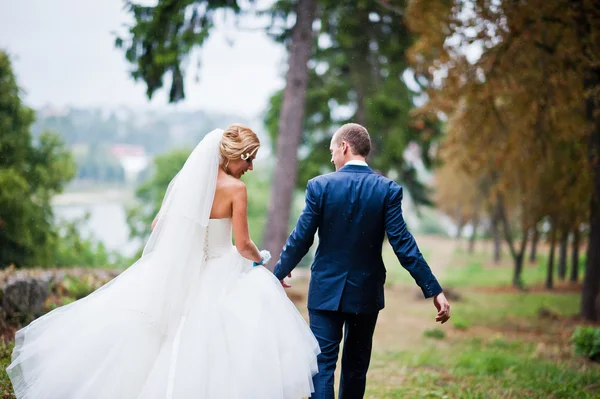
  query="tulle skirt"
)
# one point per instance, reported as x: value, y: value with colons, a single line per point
x: 238, y: 337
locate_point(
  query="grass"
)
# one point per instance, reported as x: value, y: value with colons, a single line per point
x: 5, y: 354
x: 476, y: 368
x: 497, y: 346
x: 478, y: 270
x: 499, y: 343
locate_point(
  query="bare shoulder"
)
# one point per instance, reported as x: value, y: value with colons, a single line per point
x: 233, y: 186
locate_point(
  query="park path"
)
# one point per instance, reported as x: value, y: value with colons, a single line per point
x: 407, y: 314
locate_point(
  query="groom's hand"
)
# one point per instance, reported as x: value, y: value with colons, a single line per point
x: 284, y: 284
x: 443, y: 307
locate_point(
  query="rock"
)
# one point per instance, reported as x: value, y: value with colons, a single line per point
x: 547, y: 313
x: 24, y: 295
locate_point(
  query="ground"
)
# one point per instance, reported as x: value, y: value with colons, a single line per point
x: 500, y: 342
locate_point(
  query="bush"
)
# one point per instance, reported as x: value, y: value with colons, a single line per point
x: 78, y: 288
x: 434, y: 333
x: 461, y: 324
x: 587, y: 342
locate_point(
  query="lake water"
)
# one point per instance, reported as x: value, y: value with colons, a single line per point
x: 107, y: 217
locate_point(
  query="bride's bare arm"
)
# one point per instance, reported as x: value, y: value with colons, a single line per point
x: 243, y: 242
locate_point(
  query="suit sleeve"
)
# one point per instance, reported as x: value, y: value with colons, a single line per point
x: 405, y: 246
x: 302, y: 237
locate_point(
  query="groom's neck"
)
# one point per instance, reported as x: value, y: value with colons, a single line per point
x: 355, y: 158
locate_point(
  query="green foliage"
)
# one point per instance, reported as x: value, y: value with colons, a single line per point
x: 75, y: 250
x: 258, y: 185
x: 78, y: 288
x: 162, y: 37
x: 62, y: 301
x: 434, y: 333
x: 460, y: 324
x: 358, y: 65
x: 587, y: 342
x: 99, y: 164
x: 30, y: 175
x: 6, y: 348
x: 152, y: 191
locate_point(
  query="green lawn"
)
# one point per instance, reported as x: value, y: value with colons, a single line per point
x: 499, y: 343
x: 480, y: 368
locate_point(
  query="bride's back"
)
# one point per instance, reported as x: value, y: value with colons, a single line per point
x: 226, y: 188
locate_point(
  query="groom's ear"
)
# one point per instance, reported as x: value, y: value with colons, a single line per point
x: 344, y: 147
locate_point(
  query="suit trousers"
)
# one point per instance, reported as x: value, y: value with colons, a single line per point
x: 327, y: 326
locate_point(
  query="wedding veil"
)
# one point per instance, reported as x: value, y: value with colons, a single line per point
x: 148, y: 302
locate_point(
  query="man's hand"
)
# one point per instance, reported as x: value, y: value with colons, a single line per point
x: 284, y: 284
x: 443, y: 307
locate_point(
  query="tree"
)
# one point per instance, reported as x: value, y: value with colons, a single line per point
x: 586, y: 19
x: 163, y: 36
x: 30, y: 175
x: 515, y: 112
x: 290, y: 127
x: 359, y: 65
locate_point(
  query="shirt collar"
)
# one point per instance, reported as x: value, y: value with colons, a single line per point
x: 356, y: 162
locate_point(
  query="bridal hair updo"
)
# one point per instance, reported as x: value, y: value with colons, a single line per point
x: 238, y: 142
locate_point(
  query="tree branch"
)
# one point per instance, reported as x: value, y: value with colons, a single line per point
x: 389, y: 7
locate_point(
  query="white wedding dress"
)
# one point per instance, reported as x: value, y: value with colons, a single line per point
x: 191, y: 319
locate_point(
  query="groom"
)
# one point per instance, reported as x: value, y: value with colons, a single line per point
x: 353, y: 209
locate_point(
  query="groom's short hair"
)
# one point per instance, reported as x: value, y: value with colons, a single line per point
x: 356, y: 136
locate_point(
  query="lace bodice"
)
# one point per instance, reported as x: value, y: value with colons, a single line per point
x: 218, y: 238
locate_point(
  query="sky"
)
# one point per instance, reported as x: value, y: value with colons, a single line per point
x: 63, y: 55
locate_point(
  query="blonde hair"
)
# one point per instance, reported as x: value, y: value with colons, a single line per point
x: 238, y: 142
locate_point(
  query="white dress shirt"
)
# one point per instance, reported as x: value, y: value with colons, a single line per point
x: 356, y: 162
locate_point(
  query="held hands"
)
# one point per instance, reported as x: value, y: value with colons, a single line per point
x: 443, y: 307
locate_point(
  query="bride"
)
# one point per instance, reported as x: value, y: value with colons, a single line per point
x: 192, y: 318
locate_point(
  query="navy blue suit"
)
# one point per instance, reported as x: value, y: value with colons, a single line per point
x: 352, y: 209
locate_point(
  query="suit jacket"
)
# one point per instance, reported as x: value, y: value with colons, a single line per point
x: 353, y: 209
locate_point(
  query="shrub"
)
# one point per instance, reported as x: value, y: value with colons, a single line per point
x: 587, y: 342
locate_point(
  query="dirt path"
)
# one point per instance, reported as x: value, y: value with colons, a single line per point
x: 407, y: 314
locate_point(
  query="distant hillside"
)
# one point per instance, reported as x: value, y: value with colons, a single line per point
x: 155, y: 131
x: 117, y: 145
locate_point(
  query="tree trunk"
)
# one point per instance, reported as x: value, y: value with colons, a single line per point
x: 473, y: 237
x: 590, y: 296
x: 534, y: 242
x: 518, y: 269
x: 460, y: 223
x: 562, y: 258
x: 290, y: 129
x: 550, y: 270
x: 517, y: 254
x: 497, y: 239
x: 575, y: 256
